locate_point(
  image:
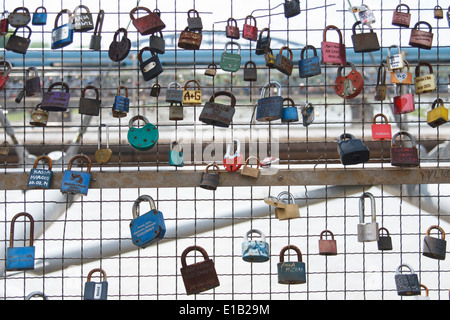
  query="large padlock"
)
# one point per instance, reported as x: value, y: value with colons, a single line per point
x: 174, y: 93
x: 121, y: 105
x: 155, y: 90
x: 395, y: 61
x: 102, y: 155
x: 233, y: 162
x: 4, y: 24
x: 194, y: 20
x: 4, y: 73
x: 230, y: 61
x: 211, y: 70
x: 96, y: 290
x: 381, y: 131
x: 96, y: 39
x: 149, y: 227
x: 403, y: 102
x: 283, y: 63
x: 32, y: 84
x: 249, y: 171
x: 119, y: 50
x: 401, y: 155
x: 41, y: 178
x: 401, y: 19
x: 270, y: 108
x: 201, y: 276
x: 232, y: 29
x: 269, y: 58
x: 39, y: 18
x: 82, y: 21
x: 39, y: 117
x: 263, y: 42
x: 176, y: 112
x: 291, y: 8
x: 142, y: 138
x: 157, y: 43
x: 291, y: 272
x: 190, y: 39
x: 147, y: 24
x: 20, y: 258
x: 400, y: 77
x: 327, y: 247
x: 56, y: 100
x: 287, y: 211
x: 333, y: 53
x: 192, y: 96
x: 76, y: 182
x: 250, y: 31
x: 407, y: 284
x: 438, y: 12
x: 17, y: 43
x: 176, y: 156
x: 434, y: 248
x: 351, y: 85
x: 210, y: 180
x: 352, y: 150
x: 255, y: 250
x: 365, y: 41
x: 437, y: 115
x: 150, y: 68
x: 380, y: 88
x: 218, y: 114
x: 89, y: 106
x: 250, y: 71
x: 384, y: 241
x: 420, y: 38
x: 308, y: 114
x: 62, y: 36
x: 367, y: 231
x: 290, y: 112
x: 424, y: 83
x: 20, y: 17
x: 309, y: 67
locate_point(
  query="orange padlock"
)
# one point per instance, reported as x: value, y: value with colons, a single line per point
x: 349, y: 86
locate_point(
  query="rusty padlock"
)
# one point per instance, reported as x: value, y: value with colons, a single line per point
x: 190, y: 39
x: 250, y: 32
x: 420, y: 38
x: 401, y: 19
x: 209, y: 180
x: 327, y: 247
x: 351, y: 85
x: 232, y: 29
x: 39, y: 117
x: 148, y: 24
x: 380, y: 89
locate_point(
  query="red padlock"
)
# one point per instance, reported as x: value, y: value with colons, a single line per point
x: 250, y: 32
x: 381, y: 131
x: 233, y: 163
x: 333, y: 53
x: 232, y: 30
x: 148, y: 24
x: 404, y: 103
x: 5, y: 70
x: 351, y: 85
x: 4, y: 24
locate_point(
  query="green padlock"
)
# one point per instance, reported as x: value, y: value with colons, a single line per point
x: 231, y: 61
x: 176, y: 156
x: 143, y: 138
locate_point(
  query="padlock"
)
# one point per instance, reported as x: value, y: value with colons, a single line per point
x: 255, y: 250
x: 38, y: 116
x: 4, y: 148
x: 291, y: 8
x: 201, y: 276
x: 263, y: 42
x: 4, y: 24
x: 155, y: 90
x: 96, y: 290
x: 62, y: 36
x: 283, y: 63
x: 250, y: 71
x: 119, y: 50
x: 174, y: 93
x: 287, y: 211
x: 41, y: 178
x: 351, y: 85
x: 150, y: 68
x: 402, y: 156
x: 333, y: 53
x: 403, y: 103
x: 308, y: 114
x: 380, y: 88
x: 192, y: 97
x: 96, y: 38
x: 157, y: 12
x: 190, y: 39
x: 309, y: 67
x: 76, y: 182
x: 193, y: 20
x: 384, y: 241
x: 39, y: 18
x: 420, y: 38
x: 395, y: 61
x: 434, y: 248
x: 232, y: 29
x: 32, y: 84
x: 103, y: 155
x: 143, y: 138
x: 401, y: 19
x: 176, y: 112
x: 176, y: 156
x: 327, y: 247
x: 4, y: 74
x: 352, y: 150
x: 36, y: 294
x: 438, y: 12
x: 407, y: 284
x: 148, y: 228
x: 269, y: 58
x: 121, y: 105
x: 56, y: 100
x: 366, y: 15
x: 20, y: 258
x: 367, y: 231
x: 437, y: 116
x: 211, y: 70
x: 365, y: 41
x: 426, y: 296
x: 249, y: 31
x: 381, y: 131
x: 147, y: 24
x: 251, y: 171
x: 400, y: 77
x: 157, y: 43
x: 20, y: 17
x: 290, y: 112
x: 425, y: 83
x: 270, y: 108
x: 89, y: 106
x: 82, y: 21
x: 210, y: 180
x: 17, y: 43
x: 218, y: 114
x: 230, y: 61
x: 233, y: 162
x: 291, y: 272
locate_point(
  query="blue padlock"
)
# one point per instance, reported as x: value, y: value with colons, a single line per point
x: 76, y: 182
x: 20, y: 258
x: 270, y: 108
x: 121, y: 104
x: 62, y: 35
x: 176, y: 157
x: 290, y: 112
x: 309, y: 67
x: 40, y: 178
x: 291, y: 272
x: 39, y: 18
x: 255, y: 250
x: 149, y: 227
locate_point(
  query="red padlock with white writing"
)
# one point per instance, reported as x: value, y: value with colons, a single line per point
x: 349, y: 86
x: 233, y: 162
x: 381, y: 131
x: 403, y: 103
x: 401, y: 154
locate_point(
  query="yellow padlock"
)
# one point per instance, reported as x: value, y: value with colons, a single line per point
x: 437, y: 116
x: 425, y: 83
x: 191, y: 96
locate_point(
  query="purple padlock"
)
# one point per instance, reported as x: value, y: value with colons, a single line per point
x: 56, y: 100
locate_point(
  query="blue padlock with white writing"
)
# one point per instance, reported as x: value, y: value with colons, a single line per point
x: 291, y: 272
x: 290, y: 112
x: 20, y: 258
x: 255, y: 250
x: 147, y: 228
x: 76, y: 182
x: 309, y: 67
x: 62, y: 36
x: 41, y: 178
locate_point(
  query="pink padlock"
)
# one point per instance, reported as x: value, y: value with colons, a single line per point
x: 250, y: 32
x: 333, y: 53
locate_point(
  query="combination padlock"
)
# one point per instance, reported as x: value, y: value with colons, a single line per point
x: 309, y: 67
x: 41, y: 178
x: 333, y: 53
x: 291, y: 272
x: 17, y: 43
x: 121, y: 105
x: 176, y: 156
x: 210, y: 180
x: 327, y: 247
x: 147, y: 24
x: 367, y: 231
x: 255, y: 250
x: 401, y: 155
x: 381, y: 131
x: 150, y: 68
x: 233, y: 162
x: 422, y: 39
x: 103, y: 155
x: 352, y: 150
x: 119, y: 50
x: 270, y: 108
x: 434, y: 248
x: 76, y: 182
x: 82, y: 21
x: 384, y: 241
x: 407, y: 284
x: 96, y: 290
x: 218, y: 114
x: 20, y: 258
x: 249, y: 171
x: 142, y: 138
x: 250, y: 31
x: 62, y: 36
x: 438, y: 115
x: 351, y: 85
x: 364, y: 42
x: 230, y: 61
x: 89, y: 106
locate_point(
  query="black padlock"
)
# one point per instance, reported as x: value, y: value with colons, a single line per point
x: 407, y: 284
x: 150, y: 68
x: 352, y: 150
x: 17, y: 43
x: 435, y: 248
x: 250, y: 71
x: 291, y: 8
x: 210, y: 180
x: 89, y: 106
x: 119, y: 50
x: 32, y: 84
x: 384, y: 241
x: 157, y: 43
x: 194, y: 21
x: 263, y: 43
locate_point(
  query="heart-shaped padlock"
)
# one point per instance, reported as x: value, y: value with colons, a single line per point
x: 143, y: 138
x: 233, y: 163
x: 349, y: 86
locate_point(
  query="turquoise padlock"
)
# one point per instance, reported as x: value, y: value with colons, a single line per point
x: 176, y: 156
x: 20, y: 258
x: 143, y: 138
x: 231, y: 61
x: 291, y: 272
x: 290, y: 112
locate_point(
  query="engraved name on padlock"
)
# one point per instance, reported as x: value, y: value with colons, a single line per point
x: 62, y: 36
x: 56, y: 100
x: 218, y: 114
x: 402, y: 155
x: 41, y: 178
x: 333, y: 53
x: 395, y: 61
x: 420, y: 38
x: 96, y: 290
x: 309, y: 67
x: 367, y: 231
x: 283, y: 63
x: 231, y: 61
x: 401, y: 19
x: 291, y: 272
x: 232, y: 29
x: 249, y: 30
x: 424, y: 83
x: 20, y: 258
x: 76, y: 182
x: 174, y: 93
x: 82, y: 21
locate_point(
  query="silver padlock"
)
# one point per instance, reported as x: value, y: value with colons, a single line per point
x: 367, y: 231
x: 395, y: 61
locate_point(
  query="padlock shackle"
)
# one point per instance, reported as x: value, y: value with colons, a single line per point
x: 334, y: 28
x: 348, y: 64
x: 381, y: 77
x: 233, y: 20
x: 13, y: 221
x: 383, y: 229
x: 345, y: 136
x: 251, y: 18
x: 397, y: 9
x: 213, y: 165
x: 118, y: 31
x: 382, y: 116
x: 238, y: 149
x: 137, y: 117
x: 305, y: 48
x: 21, y: 9
x: 326, y: 232
x: 224, y: 93
x: 41, y: 7
x: 438, y: 100
x: 195, y: 13
x: 136, y: 9
x: 100, y: 135
x: 362, y: 206
x: 99, y: 22
x: 357, y: 23
x: 80, y: 156
x: 43, y: 157
x: 406, y: 266
x: 394, y: 46
x: 403, y: 133
x: 81, y: 6
x: 252, y: 157
x: 416, y: 26
x: 23, y: 27
x: 268, y: 85
x: 60, y: 14
x: 147, y: 198
x: 290, y: 195
x: 426, y: 289
x: 437, y: 228
x: 142, y: 51
x: 36, y: 294
x: 97, y: 93
x: 290, y: 102
x: 192, y: 81
x: 425, y: 64
x: 62, y: 84
x: 102, y: 272
x: 250, y: 62
x: 290, y: 247
x: 262, y: 31
x: 291, y: 55
x: 261, y: 235
x: 27, y: 73
x: 192, y: 248
x: 124, y: 88
x: 177, y: 144
x: 230, y: 43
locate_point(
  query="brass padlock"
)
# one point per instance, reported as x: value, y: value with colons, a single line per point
x: 192, y: 97
x: 211, y: 70
x: 39, y: 117
x: 250, y: 171
x: 438, y: 12
x: 290, y: 211
x: 4, y: 148
x: 425, y: 83
x: 380, y: 89
x: 102, y: 156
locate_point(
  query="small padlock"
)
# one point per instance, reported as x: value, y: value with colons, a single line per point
x: 148, y: 228
x: 437, y: 115
x: 400, y: 77
x: 380, y: 88
x: 4, y: 73
x: 270, y: 108
x: 407, y: 284
x: 425, y: 83
x: 96, y: 290
x: 210, y: 180
x: 308, y: 114
x: 190, y: 39
x: 395, y: 61
x: 121, y: 105
x: 250, y: 171
x: 249, y: 31
x: 82, y: 21
x: 434, y: 248
x: 155, y: 90
x: 176, y: 112
x: 364, y: 42
x: 283, y: 63
x: 231, y: 61
x: 192, y: 97
x: 384, y: 241
x: 438, y: 12
x: 4, y: 24
x: 291, y: 272
x: 309, y: 67
x: 174, y: 93
x: 233, y: 162
x: 17, y: 43
x: 32, y: 84
x: 269, y: 58
x: 201, y: 276
x: 56, y: 100
x: 20, y: 17
x: 381, y: 131
x: 401, y: 19
x: 20, y: 258
x: 218, y: 114
x: 176, y: 156
x: 367, y: 231
x: 403, y: 103
x: 39, y: 117
x: 263, y: 42
x: 250, y: 71
x: 76, y: 182
x: 232, y: 29
x: 255, y: 250
x: 290, y: 112
x: 426, y: 296
x: 351, y: 85
x: 157, y: 43
x: 150, y: 68
x: 4, y: 148
x: 39, y: 18
x: 143, y: 138
x: 147, y: 24
x: 420, y: 38
x: 327, y: 247
x: 103, y: 155
x: 193, y: 20
x: 291, y: 8
x: 96, y: 38
x: 119, y: 50
x: 40, y: 178
x: 89, y: 106
x: 351, y: 150
x: 366, y: 15
x: 402, y: 156
x: 288, y: 211
x: 62, y: 36
x: 211, y: 70
x: 333, y: 53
